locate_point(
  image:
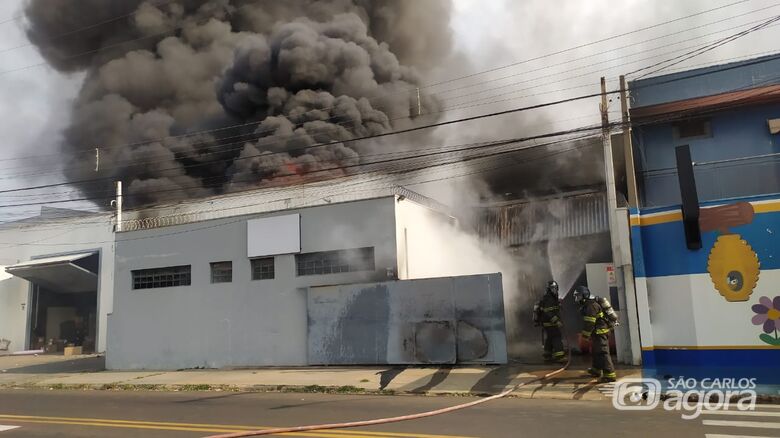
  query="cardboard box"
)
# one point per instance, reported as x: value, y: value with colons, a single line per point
x: 72, y: 351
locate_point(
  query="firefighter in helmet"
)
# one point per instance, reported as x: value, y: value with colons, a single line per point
x: 547, y: 313
x: 599, y: 318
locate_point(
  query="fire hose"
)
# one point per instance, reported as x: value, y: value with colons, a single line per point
x: 375, y: 422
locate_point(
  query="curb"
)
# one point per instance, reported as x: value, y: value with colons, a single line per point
x: 525, y: 393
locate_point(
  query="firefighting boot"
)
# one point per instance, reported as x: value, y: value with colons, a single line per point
x: 608, y: 377
x: 594, y: 372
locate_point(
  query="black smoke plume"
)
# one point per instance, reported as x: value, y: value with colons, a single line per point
x: 265, y: 78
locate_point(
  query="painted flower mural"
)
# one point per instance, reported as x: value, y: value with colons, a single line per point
x: 768, y: 315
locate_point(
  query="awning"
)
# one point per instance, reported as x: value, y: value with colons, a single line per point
x: 59, y: 274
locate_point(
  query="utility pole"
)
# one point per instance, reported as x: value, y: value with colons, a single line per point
x: 419, y: 102
x: 118, y: 205
x: 618, y: 255
x: 609, y: 174
x: 627, y: 266
x: 628, y: 148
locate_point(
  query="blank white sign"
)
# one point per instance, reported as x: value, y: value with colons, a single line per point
x: 274, y: 235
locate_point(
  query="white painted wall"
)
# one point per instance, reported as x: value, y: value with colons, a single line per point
x: 686, y: 310
x: 246, y: 322
x: 21, y: 243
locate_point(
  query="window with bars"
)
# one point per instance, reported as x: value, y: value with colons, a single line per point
x: 335, y: 262
x: 263, y: 269
x: 221, y: 272
x: 173, y: 276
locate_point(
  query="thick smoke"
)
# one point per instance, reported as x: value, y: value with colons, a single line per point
x: 291, y: 74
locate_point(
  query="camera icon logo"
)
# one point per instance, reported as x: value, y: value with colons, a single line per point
x: 636, y: 394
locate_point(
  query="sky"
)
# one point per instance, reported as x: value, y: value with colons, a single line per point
x: 489, y: 34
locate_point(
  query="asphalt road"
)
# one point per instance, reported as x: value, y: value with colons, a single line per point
x: 198, y: 414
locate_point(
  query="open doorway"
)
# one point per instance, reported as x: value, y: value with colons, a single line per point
x: 63, y: 303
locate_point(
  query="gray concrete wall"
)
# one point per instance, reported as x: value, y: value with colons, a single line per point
x: 23, y: 242
x: 440, y: 320
x: 245, y: 322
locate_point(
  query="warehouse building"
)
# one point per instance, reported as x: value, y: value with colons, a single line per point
x: 56, y: 281
x: 282, y: 277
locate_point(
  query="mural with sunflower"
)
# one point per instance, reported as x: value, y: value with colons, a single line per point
x: 767, y: 315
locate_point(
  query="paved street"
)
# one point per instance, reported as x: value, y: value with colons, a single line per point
x: 195, y: 414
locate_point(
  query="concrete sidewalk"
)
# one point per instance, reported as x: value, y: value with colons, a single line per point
x: 86, y: 372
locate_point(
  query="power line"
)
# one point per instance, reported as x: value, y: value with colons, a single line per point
x: 686, y: 56
x: 242, y: 142
x: 427, y: 126
x: 593, y: 128
x: 453, y: 79
x: 589, y: 44
x: 331, y: 143
x: 37, y: 243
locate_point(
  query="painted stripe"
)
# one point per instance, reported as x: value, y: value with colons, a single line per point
x: 6, y: 428
x: 664, y: 251
x: 709, y: 347
x: 675, y: 215
x: 757, y: 424
x: 720, y: 435
x: 742, y: 413
x: 201, y: 427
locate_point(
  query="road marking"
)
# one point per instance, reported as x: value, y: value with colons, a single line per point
x: 200, y: 427
x: 743, y: 413
x: 741, y: 424
x: 718, y: 435
x: 5, y: 428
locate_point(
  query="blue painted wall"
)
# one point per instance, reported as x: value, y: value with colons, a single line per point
x: 735, y: 134
x: 738, y: 133
x: 692, y: 83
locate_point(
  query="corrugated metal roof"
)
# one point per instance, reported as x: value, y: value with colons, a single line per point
x: 551, y: 219
x: 270, y: 200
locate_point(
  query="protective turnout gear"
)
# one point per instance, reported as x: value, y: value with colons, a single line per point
x: 548, y: 315
x: 552, y: 288
x: 581, y: 294
x: 537, y: 315
x: 598, y: 319
x: 609, y: 313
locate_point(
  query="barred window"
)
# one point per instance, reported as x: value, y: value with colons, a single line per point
x: 162, y: 277
x: 334, y: 262
x: 263, y: 269
x: 221, y: 272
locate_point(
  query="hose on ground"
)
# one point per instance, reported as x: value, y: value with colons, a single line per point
x: 395, y: 419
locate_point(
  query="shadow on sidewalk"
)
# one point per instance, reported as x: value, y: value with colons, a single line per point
x: 54, y: 366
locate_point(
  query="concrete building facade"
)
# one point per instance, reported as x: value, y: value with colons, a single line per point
x: 256, y: 315
x: 712, y: 311
x: 69, y: 256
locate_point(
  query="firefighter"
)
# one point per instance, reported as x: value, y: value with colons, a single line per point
x: 598, y: 319
x: 547, y: 313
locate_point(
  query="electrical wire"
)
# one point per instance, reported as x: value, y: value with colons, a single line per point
x: 686, y: 56
x: 326, y: 192
x: 471, y: 75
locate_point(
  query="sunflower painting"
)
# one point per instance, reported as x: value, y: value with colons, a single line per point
x: 767, y: 315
